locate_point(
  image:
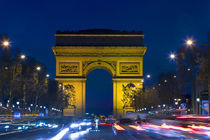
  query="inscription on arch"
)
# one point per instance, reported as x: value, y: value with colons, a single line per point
x: 129, y: 67
x: 69, y: 67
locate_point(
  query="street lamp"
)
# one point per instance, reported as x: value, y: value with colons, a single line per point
x: 18, y: 103
x: 148, y: 75
x: 198, y: 103
x: 172, y: 56
x: 22, y: 56
x: 5, y: 43
x: 47, y: 75
x: 38, y: 68
x: 189, y: 42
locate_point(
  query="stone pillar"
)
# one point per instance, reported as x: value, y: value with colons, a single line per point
x: 118, y: 105
x: 78, y: 99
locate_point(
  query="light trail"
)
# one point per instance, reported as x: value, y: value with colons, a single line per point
x: 116, y: 126
x: 199, y: 127
x: 60, y: 134
x: 136, y: 127
x: 193, y: 117
x: 189, y: 130
x: 80, y: 133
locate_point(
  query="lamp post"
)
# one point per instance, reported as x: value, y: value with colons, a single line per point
x: 14, y: 67
x: 198, y: 104
x: 38, y: 68
x: 191, y: 43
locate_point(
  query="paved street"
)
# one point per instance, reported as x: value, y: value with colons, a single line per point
x: 104, y: 132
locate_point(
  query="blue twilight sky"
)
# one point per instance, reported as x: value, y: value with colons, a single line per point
x: 31, y: 24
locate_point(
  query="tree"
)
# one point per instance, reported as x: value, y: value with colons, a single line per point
x: 203, y: 76
x: 168, y: 88
x: 147, y: 97
x: 187, y: 68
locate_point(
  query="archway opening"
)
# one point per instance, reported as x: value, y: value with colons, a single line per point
x: 99, y: 92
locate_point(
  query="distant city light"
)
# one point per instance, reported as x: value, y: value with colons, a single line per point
x: 148, y: 75
x: 18, y: 103
x: 165, y: 81
x: 188, y: 69
x: 174, y: 76
x: 47, y: 75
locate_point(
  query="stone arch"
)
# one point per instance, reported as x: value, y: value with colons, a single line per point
x: 78, y: 53
x: 109, y: 66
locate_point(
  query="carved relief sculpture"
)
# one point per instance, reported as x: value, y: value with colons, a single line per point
x: 129, y: 92
x: 70, y: 91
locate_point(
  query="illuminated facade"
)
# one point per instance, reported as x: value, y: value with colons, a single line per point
x: 78, y: 53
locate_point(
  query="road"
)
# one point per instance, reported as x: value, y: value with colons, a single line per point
x: 103, y: 133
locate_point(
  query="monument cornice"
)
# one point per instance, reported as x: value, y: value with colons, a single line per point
x: 105, y: 51
x: 112, y: 35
